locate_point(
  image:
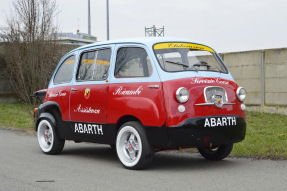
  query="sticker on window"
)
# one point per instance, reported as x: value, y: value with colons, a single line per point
x: 182, y: 45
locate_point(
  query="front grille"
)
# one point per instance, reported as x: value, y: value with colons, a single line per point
x: 213, y: 93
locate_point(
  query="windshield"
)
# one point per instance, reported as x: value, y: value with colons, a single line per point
x: 176, y: 57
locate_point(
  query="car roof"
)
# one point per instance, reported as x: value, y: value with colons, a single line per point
x: 149, y: 41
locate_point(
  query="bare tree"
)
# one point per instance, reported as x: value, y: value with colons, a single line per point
x: 30, y: 48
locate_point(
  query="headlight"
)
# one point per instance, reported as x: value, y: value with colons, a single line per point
x: 241, y: 93
x: 182, y: 95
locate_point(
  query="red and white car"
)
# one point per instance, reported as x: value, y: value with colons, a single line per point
x: 142, y: 96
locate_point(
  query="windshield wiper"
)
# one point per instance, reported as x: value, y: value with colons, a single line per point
x: 178, y: 63
x: 202, y: 63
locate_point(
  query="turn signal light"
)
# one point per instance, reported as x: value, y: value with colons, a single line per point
x: 35, y: 110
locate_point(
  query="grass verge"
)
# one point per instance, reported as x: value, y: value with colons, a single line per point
x: 16, y: 115
x: 266, y: 135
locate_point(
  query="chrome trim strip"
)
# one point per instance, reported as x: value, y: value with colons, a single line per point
x: 213, y: 104
x: 205, y: 104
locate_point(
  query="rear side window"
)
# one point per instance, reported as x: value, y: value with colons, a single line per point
x: 94, y: 65
x: 132, y: 62
x: 65, y: 72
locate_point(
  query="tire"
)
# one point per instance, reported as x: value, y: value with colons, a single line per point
x: 47, y: 138
x: 217, y: 153
x: 132, y: 146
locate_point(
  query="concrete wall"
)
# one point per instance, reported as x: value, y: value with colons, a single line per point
x: 276, y: 77
x: 264, y: 75
x: 245, y: 68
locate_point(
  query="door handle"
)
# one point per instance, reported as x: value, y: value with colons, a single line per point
x: 73, y: 90
x: 154, y: 86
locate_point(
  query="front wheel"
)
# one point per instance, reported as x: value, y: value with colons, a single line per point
x: 48, y: 139
x: 132, y: 146
x: 216, y: 153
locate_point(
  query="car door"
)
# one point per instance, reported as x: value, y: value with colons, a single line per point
x: 59, y: 89
x: 88, y: 97
x: 135, y: 89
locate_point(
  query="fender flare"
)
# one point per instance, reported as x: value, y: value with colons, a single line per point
x: 43, y: 112
x: 45, y: 115
x: 48, y: 104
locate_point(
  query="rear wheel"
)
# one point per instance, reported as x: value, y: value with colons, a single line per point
x: 216, y: 153
x: 133, y: 148
x: 48, y: 139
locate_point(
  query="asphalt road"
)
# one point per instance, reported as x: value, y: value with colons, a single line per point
x: 96, y: 167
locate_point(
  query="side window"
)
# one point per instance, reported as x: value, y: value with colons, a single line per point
x: 94, y: 65
x: 65, y: 72
x: 132, y: 62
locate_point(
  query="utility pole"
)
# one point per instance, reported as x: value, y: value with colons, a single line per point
x: 108, y: 24
x: 89, y: 18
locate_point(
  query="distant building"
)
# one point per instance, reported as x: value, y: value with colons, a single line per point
x: 79, y: 39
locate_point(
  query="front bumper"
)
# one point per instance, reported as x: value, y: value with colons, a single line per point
x: 201, y: 132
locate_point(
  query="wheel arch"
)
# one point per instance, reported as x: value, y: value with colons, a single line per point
x: 124, y: 119
x: 45, y: 107
x: 48, y: 110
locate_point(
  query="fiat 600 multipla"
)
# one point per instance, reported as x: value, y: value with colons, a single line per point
x: 141, y: 96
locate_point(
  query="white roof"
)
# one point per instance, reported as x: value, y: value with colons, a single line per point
x: 144, y: 40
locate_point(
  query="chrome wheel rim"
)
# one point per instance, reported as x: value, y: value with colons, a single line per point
x: 129, y: 148
x: 45, y: 135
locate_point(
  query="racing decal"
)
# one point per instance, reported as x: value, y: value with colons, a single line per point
x: 88, y: 128
x: 182, y: 45
x: 123, y: 91
x: 87, y: 93
x: 208, y: 81
x: 59, y: 94
x: 81, y: 109
x: 220, y: 121
x: 92, y: 61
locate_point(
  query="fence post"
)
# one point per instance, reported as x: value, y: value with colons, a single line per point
x: 262, y: 78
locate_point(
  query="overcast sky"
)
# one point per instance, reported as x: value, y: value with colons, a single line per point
x: 226, y: 25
